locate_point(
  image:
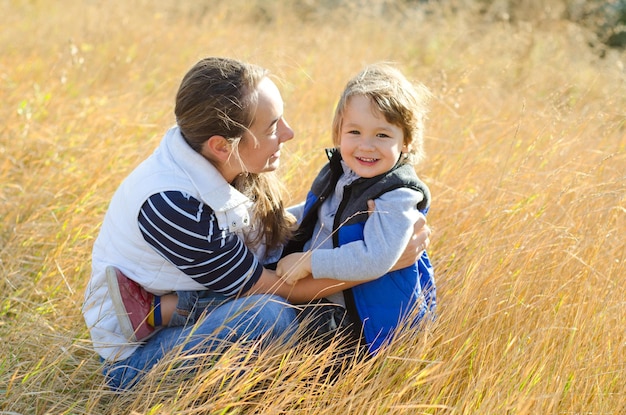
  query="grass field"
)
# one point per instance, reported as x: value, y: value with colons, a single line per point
x: 526, y: 145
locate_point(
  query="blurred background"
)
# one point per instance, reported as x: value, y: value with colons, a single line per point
x: 525, y: 143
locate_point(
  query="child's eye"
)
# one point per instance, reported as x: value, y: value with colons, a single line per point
x: 382, y: 135
x: 354, y: 132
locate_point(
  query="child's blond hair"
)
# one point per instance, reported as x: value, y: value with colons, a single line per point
x: 402, y: 103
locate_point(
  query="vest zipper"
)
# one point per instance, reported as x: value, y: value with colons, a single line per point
x: 338, y: 221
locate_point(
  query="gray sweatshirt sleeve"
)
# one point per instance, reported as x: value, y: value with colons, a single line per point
x: 385, y: 235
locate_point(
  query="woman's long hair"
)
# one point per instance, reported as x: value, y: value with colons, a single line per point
x: 218, y: 96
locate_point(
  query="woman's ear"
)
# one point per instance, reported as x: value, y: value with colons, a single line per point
x: 217, y: 148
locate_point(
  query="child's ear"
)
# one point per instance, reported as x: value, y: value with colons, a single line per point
x: 217, y: 148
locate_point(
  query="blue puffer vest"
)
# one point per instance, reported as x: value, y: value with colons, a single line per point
x: 369, y: 303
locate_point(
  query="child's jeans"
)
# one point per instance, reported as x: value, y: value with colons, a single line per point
x: 263, y: 318
x: 193, y: 304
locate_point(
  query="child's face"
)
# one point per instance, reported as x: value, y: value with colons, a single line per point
x: 368, y: 143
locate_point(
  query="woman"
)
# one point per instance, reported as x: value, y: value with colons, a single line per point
x: 192, y: 217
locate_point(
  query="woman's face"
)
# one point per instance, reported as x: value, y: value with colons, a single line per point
x: 259, y: 149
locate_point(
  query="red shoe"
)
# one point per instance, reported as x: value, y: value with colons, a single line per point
x: 132, y: 305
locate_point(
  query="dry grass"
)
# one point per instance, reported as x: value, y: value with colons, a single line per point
x: 527, y: 166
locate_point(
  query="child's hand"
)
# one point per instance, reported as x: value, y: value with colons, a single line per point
x: 294, y: 267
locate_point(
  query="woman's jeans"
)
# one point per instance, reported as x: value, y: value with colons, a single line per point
x: 263, y: 318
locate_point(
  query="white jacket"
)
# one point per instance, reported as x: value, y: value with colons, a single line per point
x: 173, y: 166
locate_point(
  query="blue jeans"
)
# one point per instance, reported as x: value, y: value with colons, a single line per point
x: 263, y: 318
x: 192, y: 305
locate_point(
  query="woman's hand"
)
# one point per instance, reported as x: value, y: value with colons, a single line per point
x: 417, y: 244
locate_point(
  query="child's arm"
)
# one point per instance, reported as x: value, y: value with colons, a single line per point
x: 386, y: 233
x: 416, y: 246
x: 296, y: 266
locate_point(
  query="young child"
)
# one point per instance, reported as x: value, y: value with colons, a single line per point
x: 378, y: 134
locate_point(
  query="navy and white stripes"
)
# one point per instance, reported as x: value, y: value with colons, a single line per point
x: 185, y: 231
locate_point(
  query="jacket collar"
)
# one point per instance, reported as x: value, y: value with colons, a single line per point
x: 212, y: 188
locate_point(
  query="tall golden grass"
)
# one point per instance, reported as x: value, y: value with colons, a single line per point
x: 526, y: 144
